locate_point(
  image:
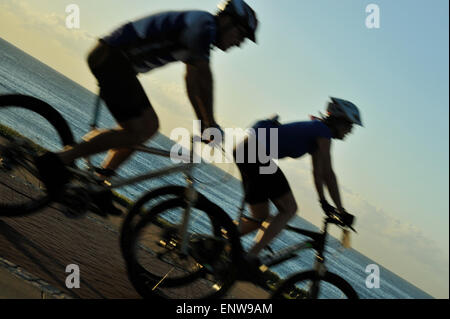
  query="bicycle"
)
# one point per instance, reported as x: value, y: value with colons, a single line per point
x: 302, y: 285
x: 22, y: 193
x: 307, y: 284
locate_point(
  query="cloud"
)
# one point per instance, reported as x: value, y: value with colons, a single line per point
x: 400, y: 242
x: 401, y: 233
x: 397, y: 244
x: 49, y: 32
x: 52, y: 25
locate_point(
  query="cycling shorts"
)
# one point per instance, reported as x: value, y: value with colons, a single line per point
x: 260, y: 188
x: 119, y: 86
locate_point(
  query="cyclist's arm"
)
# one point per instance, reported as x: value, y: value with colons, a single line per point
x: 323, y: 172
x: 199, y: 84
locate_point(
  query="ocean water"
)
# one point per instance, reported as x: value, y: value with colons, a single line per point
x: 21, y: 73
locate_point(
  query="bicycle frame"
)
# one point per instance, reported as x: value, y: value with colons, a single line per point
x: 117, y: 182
x: 317, y: 242
x: 185, y: 168
x: 317, y: 239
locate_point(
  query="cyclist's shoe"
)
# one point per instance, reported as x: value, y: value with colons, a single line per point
x: 104, y: 204
x: 52, y: 172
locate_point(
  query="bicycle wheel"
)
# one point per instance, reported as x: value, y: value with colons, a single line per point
x: 142, y: 206
x: 28, y: 127
x: 158, y: 267
x: 301, y: 286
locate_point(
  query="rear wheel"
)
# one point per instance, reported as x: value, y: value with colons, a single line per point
x: 157, y: 266
x: 309, y: 285
x: 28, y: 127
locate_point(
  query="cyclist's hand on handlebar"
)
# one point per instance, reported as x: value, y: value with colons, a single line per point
x: 215, y: 136
x: 347, y: 219
x: 327, y: 208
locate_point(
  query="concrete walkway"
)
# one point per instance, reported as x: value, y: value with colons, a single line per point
x: 12, y: 287
x: 15, y: 283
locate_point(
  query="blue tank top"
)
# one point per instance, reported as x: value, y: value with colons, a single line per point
x: 155, y: 40
x: 294, y: 139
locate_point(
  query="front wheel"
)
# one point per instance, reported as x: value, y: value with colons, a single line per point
x: 141, y: 208
x: 309, y: 285
x: 157, y: 264
x: 28, y: 127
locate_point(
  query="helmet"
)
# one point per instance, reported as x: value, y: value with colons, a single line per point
x: 344, y: 109
x: 243, y: 14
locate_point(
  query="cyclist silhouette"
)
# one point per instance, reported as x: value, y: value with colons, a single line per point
x: 294, y: 140
x: 138, y: 47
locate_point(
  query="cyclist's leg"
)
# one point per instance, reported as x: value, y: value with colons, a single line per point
x: 255, y: 192
x: 287, y: 207
x: 145, y: 127
x: 128, y: 103
x: 255, y: 196
x: 131, y: 132
x: 111, y: 139
x: 278, y: 190
x: 259, y: 211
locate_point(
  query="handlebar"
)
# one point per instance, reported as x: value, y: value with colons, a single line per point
x: 343, y: 219
x: 336, y: 218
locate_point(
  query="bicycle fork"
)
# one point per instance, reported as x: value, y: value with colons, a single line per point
x: 319, y: 267
x: 191, y: 197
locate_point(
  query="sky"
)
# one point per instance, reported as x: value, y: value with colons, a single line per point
x: 393, y: 173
